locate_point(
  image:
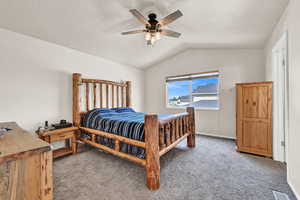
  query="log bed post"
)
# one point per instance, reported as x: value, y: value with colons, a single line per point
x: 191, y: 138
x: 76, y: 105
x: 128, y: 94
x: 76, y: 99
x: 152, y: 151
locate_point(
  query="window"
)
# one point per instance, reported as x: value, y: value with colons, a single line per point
x: 198, y: 90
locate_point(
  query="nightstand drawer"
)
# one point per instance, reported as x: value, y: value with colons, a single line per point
x: 61, y: 136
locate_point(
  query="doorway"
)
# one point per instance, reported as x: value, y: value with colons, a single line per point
x: 280, y: 98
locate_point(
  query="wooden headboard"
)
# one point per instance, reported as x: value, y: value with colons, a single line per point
x: 92, y: 93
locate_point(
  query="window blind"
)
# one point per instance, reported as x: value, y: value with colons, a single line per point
x: 213, y: 74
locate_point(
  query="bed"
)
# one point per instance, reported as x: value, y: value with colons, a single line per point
x: 103, y: 114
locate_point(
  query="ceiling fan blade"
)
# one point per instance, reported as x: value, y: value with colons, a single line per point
x: 170, y: 18
x: 133, y: 32
x: 139, y: 16
x: 170, y: 33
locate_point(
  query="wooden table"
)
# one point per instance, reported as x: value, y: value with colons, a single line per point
x: 64, y: 134
x: 25, y: 165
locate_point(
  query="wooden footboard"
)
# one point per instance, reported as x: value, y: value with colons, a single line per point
x: 160, y: 135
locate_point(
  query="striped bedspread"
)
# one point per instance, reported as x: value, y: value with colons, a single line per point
x: 128, y: 124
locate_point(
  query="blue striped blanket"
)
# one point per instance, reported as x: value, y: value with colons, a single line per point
x: 126, y: 123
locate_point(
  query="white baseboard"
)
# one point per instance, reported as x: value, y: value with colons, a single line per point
x: 293, y: 189
x: 217, y: 136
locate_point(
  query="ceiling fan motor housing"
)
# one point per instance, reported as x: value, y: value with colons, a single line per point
x: 153, y: 22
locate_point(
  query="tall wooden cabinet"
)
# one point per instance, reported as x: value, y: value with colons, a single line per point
x: 254, y: 118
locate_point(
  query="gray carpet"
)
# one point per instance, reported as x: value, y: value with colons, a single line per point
x: 211, y: 171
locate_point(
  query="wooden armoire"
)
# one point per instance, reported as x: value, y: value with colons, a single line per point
x: 254, y: 118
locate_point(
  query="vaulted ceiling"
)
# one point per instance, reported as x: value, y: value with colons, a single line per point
x: 94, y: 26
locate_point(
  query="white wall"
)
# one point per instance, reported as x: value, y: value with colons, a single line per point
x: 36, y: 81
x: 235, y: 66
x: 294, y: 75
x: 290, y: 23
x: 278, y: 32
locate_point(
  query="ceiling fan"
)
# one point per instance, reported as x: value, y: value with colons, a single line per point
x: 153, y: 29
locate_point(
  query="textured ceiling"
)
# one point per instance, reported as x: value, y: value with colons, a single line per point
x: 94, y: 26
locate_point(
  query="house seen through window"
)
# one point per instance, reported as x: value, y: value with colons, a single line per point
x: 198, y: 90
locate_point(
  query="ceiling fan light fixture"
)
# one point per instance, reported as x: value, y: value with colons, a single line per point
x: 148, y: 36
x: 157, y: 35
x: 153, y: 40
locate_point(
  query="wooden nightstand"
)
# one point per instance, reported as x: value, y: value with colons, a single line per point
x: 66, y: 134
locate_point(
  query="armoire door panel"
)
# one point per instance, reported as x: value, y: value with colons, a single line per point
x: 263, y: 102
x: 250, y: 102
x: 262, y: 134
x: 249, y: 129
x: 255, y: 135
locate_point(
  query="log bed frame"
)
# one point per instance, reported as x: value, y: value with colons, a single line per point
x: 160, y: 135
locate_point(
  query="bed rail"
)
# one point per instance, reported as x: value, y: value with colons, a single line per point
x: 117, y: 139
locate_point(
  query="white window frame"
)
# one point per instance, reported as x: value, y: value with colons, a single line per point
x: 206, y: 74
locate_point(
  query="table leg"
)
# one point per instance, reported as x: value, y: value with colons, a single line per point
x: 74, y: 144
